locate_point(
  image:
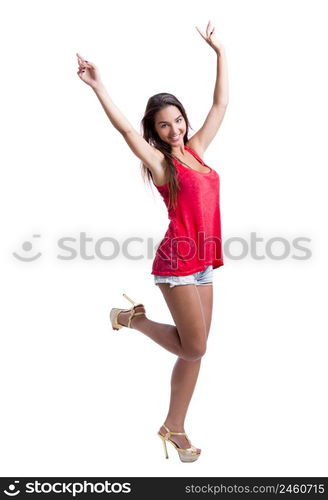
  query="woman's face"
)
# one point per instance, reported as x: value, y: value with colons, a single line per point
x: 170, y: 125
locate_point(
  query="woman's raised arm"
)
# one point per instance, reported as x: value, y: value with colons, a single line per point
x: 89, y: 74
x: 201, y: 139
x: 150, y: 156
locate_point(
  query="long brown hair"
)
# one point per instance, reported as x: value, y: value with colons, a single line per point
x: 155, y: 104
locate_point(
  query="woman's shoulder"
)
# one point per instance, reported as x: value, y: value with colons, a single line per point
x: 195, y: 146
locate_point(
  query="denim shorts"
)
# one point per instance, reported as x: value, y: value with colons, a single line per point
x: 201, y: 278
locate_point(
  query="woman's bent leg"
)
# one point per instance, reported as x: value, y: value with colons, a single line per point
x: 187, y: 338
x: 191, y: 310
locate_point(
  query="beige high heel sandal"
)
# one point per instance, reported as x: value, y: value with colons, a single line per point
x: 185, y: 454
x: 115, y: 312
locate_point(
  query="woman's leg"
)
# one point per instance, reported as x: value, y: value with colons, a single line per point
x: 191, y: 309
x: 187, y: 338
x: 185, y: 373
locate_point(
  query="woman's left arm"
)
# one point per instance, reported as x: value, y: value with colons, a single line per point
x: 201, y: 139
x: 221, y: 91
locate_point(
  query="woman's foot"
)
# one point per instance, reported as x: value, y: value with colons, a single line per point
x: 123, y: 317
x: 180, y: 441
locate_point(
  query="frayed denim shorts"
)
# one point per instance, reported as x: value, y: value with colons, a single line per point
x: 204, y: 277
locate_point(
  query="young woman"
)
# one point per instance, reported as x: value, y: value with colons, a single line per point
x: 191, y: 248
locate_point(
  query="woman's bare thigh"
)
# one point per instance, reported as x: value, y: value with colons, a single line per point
x: 185, y: 305
x: 206, y: 297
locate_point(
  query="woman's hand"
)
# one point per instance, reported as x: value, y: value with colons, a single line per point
x: 88, y: 72
x: 210, y: 38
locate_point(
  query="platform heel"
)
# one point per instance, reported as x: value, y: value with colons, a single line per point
x: 185, y: 454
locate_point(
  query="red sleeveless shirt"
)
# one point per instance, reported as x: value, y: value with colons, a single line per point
x: 193, y: 238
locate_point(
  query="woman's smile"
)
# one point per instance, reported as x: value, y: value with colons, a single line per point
x: 175, y: 138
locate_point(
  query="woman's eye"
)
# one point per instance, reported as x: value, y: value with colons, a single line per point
x: 164, y: 124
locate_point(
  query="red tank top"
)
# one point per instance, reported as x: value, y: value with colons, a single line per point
x: 193, y: 238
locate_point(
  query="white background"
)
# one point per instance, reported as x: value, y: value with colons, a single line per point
x: 79, y: 399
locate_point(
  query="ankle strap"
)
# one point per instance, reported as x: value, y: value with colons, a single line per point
x: 175, y: 433
x: 133, y: 313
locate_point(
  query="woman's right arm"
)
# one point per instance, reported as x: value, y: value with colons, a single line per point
x: 150, y: 156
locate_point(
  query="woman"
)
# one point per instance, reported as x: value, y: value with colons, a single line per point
x: 191, y: 248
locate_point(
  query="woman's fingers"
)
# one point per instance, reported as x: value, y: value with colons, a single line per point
x: 90, y: 64
x: 82, y: 62
x: 81, y: 59
x: 201, y: 33
x: 208, y: 29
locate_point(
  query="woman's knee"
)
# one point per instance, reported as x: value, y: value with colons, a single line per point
x: 194, y: 352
